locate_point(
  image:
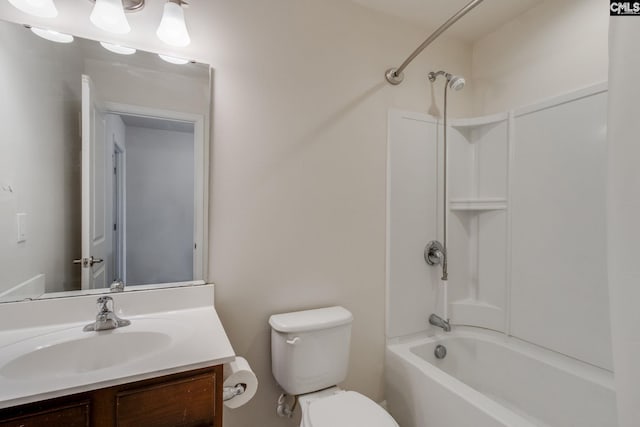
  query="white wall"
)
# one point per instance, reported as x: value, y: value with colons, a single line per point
x: 160, y: 205
x: 559, y: 297
x: 414, y: 217
x: 623, y: 213
x: 39, y: 159
x: 522, y: 262
x: 554, y: 48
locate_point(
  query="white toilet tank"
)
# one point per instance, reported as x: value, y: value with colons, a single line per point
x: 310, y: 349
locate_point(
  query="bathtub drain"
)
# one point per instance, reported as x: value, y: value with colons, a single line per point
x: 440, y: 351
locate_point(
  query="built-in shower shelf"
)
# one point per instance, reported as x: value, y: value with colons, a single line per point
x: 479, y: 121
x: 478, y: 205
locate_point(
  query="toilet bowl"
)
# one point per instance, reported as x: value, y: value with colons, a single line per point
x: 309, y: 358
x: 339, y: 408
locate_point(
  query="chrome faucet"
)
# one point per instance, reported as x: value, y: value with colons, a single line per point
x: 117, y: 286
x: 436, y: 253
x: 438, y: 321
x: 106, y: 318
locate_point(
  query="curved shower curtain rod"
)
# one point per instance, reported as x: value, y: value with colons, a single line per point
x: 395, y: 75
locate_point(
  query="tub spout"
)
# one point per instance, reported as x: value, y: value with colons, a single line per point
x: 438, y: 321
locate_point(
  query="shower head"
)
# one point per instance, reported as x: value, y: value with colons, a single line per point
x: 455, y: 82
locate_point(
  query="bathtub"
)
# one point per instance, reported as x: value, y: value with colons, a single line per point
x: 487, y: 379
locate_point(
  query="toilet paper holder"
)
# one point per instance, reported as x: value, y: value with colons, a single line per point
x: 240, y: 383
x: 229, y: 392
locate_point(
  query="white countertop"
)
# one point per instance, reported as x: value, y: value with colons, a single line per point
x: 186, y: 313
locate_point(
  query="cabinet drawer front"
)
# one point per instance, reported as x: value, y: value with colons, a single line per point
x: 186, y: 402
x: 69, y: 416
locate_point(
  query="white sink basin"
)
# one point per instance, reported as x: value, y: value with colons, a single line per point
x: 44, y: 353
x: 72, y: 351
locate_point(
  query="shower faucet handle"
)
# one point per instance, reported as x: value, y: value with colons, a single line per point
x: 434, y: 253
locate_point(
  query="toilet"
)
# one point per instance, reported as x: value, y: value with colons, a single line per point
x: 309, y: 357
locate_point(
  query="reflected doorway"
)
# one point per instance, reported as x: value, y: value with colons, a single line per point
x: 142, y: 194
x: 153, y: 217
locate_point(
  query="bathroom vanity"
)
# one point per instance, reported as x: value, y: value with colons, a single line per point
x: 164, y: 369
x: 192, y: 398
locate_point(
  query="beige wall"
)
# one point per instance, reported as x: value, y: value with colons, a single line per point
x: 554, y: 48
x: 298, y: 208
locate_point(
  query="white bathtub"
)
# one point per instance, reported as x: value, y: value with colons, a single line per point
x: 489, y: 380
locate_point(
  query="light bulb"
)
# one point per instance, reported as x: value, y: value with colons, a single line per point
x: 173, y: 29
x: 108, y: 15
x: 51, y: 35
x: 173, y: 59
x: 116, y: 48
x: 41, y: 8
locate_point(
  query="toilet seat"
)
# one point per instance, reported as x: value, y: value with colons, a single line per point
x: 346, y: 409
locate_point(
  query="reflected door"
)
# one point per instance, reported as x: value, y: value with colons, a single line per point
x: 94, y: 225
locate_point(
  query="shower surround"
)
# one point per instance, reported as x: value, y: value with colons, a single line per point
x: 526, y: 248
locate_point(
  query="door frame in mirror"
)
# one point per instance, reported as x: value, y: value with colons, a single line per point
x: 201, y: 174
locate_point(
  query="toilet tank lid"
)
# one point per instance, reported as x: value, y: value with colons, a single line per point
x: 311, y: 320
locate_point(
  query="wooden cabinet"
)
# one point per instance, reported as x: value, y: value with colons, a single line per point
x: 181, y: 402
x: 188, y: 399
x: 72, y: 415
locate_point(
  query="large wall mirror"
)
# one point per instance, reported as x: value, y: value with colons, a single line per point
x: 102, y: 168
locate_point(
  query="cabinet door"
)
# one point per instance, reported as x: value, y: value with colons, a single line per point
x: 186, y: 402
x: 75, y: 415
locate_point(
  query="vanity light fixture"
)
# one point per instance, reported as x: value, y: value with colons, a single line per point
x: 40, y: 8
x: 116, y: 48
x: 51, y: 35
x: 173, y: 59
x: 173, y: 29
x: 108, y: 15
